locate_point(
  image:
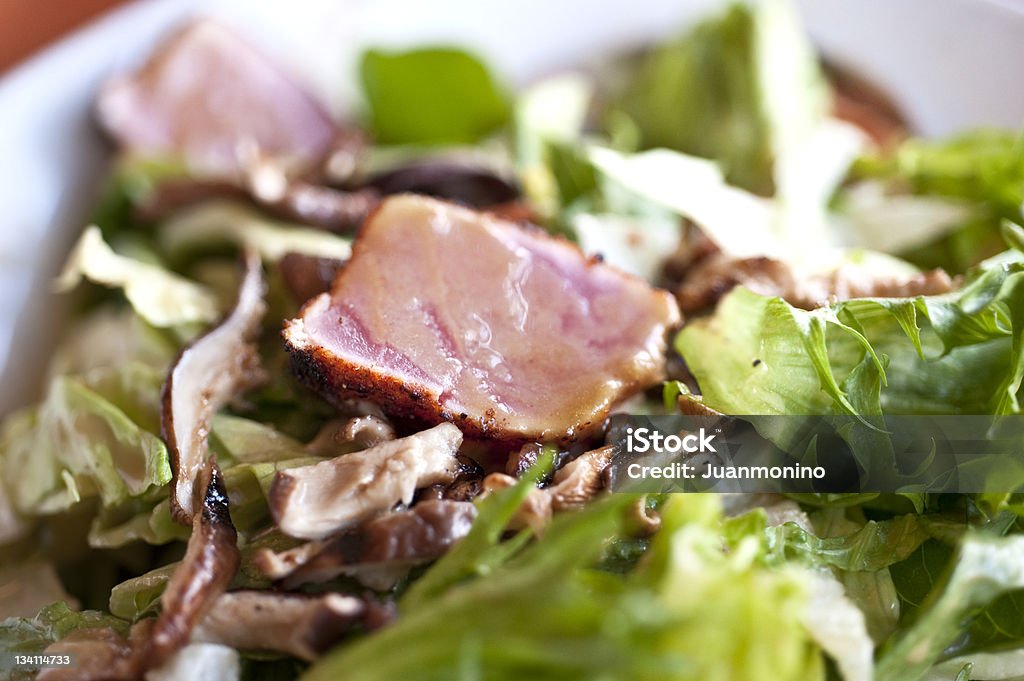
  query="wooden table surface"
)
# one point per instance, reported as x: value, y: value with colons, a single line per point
x: 28, y: 25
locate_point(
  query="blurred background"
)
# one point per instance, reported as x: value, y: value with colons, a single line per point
x: 28, y: 26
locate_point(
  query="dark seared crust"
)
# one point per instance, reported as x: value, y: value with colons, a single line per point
x: 338, y: 379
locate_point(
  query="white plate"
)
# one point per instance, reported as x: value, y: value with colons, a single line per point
x: 949, y: 63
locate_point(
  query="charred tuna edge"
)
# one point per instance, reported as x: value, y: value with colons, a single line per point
x: 208, y: 374
x: 297, y: 624
x: 422, y: 533
x: 210, y: 563
x: 312, y: 502
x: 448, y: 314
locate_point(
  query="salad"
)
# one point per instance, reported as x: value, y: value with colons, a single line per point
x: 340, y: 399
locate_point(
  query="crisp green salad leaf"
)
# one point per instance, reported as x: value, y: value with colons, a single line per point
x: 158, y: 296
x: 740, y: 88
x: 145, y: 519
x: 214, y: 223
x: 548, y: 117
x: 111, y: 336
x: 874, y: 546
x: 724, y: 129
x: 480, y: 551
x: 132, y: 181
x: 93, y: 435
x: 983, y: 170
x: 691, y: 610
x: 983, y: 568
x: 958, y: 353
x: 431, y: 96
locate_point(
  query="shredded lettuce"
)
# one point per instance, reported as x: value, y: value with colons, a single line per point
x: 93, y: 435
x: 549, y: 115
x: 158, y: 296
x: 212, y: 223
x: 110, y: 336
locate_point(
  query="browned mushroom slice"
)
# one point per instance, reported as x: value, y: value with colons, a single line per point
x: 420, y: 534
x: 343, y: 435
x: 307, y: 276
x: 444, y: 313
x: 205, y: 95
x: 571, y: 487
x: 299, y: 201
x: 715, y: 275
x: 207, y: 375
x: 101, y: 654
x: 210, y: 563
x: 314, y: 501
x: 579, y: 480
x: 299, y: 625
x: 312, y: 204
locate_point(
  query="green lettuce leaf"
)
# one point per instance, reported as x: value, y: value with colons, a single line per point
x: 246, y: 441
x: 480, y: 551
x: 741, y: 88
x: 132, y: 181
x: 211, y: 224
x: 93, y: 435
x: 983, y: 568
x: 112, y: 336
x: 547, y: 614
x: 983, y: 170
x: 25, y: 636
x: 995, y: 627
x: 145, y: 519
x: 249, y: 453
x: 160, y: 297
x: 876, y: 545
x: 958, y: 353
x: 549, y: 121
x: 140, y: 596
x: 431, y: 96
